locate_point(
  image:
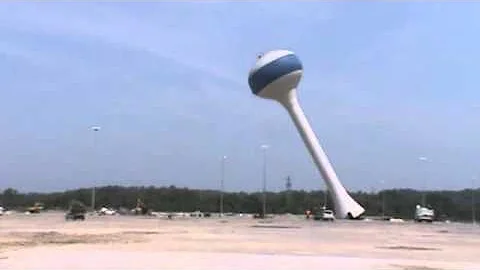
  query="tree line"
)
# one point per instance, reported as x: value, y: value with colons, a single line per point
x: 400, y: 203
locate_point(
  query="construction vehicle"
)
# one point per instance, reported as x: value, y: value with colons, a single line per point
x: 76, y: 211
x: 324, y: 214
x: 36, y: 208
x: 140, y: 208
x: 424, y: 214
x: 308, y: 214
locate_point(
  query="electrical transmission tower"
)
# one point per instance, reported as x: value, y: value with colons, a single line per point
x: 288, y: 187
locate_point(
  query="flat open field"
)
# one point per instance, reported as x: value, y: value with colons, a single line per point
x: 47, y: 241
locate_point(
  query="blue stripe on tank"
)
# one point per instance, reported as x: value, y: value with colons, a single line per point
x: 272, y: 71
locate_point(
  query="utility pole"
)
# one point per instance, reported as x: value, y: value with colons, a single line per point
x: 288, y: 184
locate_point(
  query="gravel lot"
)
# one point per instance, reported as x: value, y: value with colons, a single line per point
x: 47, y: 241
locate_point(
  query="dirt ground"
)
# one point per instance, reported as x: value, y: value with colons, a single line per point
x: 47, y: 241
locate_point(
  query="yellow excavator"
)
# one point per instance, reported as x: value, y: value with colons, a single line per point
x: 36, y: 208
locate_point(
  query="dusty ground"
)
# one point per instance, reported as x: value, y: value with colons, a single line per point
x: 47, y: 241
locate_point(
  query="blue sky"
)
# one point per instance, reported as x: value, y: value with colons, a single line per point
x: 384, y: 83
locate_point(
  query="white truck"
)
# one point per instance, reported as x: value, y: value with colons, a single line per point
x: 324, y: 214
x: 424, y: 214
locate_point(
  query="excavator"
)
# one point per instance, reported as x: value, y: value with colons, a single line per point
x: 76, y: 211
x: 140, y: 208
x: 36, y: 208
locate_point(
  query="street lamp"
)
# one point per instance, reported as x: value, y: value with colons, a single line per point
x: 264, y: 202
x: 382, y: 183
x: 222, y: 180
x: 424, y: 199
x: 474, y: 220
x: 95, y: 129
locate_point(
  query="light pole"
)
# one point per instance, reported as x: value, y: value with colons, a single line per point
x: 474, y: 220
x: 382, y: 182
x: 95, y: 129
x: 264, y: 202
x: 288, y: 186
x: 325, y: 198
x: 222, y: 181
x: 424, y: 199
